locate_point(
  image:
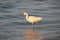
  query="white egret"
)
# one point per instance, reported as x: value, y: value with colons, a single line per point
x: 32, y: 19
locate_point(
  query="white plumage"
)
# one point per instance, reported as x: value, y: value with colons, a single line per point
x: 32, y: 19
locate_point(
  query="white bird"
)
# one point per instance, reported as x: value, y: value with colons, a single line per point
x: 32, y: 19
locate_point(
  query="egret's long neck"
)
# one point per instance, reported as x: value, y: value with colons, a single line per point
x: 27, y: 15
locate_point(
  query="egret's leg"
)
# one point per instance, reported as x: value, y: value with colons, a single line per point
x: 33, y: 27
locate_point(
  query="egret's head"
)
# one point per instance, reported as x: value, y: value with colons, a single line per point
x: 25, y: 14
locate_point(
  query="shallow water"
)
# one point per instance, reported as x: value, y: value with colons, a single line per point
x: 13, y: 24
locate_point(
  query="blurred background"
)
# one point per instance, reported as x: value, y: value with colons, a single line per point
x: 13, y: 25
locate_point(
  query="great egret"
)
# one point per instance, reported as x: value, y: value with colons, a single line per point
x: 32, y: 19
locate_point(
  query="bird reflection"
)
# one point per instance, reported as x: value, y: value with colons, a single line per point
x: 32, y: 35
x: 36, y: 28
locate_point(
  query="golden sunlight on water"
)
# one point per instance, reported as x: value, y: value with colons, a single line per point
x: 32, y: 35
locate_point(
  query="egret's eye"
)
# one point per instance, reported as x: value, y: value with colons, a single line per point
x: 24, y: 15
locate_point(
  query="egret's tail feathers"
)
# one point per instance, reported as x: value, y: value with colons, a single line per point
x: 40, y: 18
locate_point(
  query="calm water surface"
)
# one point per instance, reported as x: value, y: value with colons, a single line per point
x: 13, y: 24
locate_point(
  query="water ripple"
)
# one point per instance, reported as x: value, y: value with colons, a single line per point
x: 55, y: 7
x: 39, y: 0
x: 7, y: 5
x: 5, y: 11
x: 16, y: 23
x: 11, y: 16
x: 7, y: 16
x: 4, y: 37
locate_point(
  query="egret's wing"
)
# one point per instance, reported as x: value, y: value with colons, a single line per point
x: 34, y: 18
